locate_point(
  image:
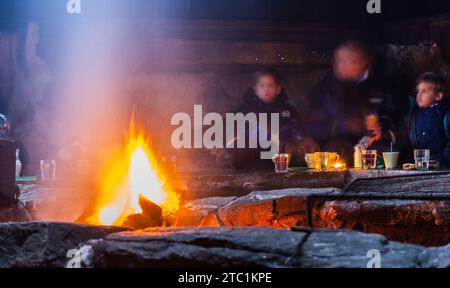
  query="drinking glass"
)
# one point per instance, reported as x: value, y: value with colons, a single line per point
x: 333, y: 158
x: 369, y: 159
x: 422, y: 159
x: 281, y: 162
x: 48, y: 170
x: 322, y: 161
x: 311, y: 160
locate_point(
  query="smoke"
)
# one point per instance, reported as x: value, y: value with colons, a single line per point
x: 81, y: 107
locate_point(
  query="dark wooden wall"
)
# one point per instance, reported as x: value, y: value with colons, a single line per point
x: 217, y: 45
x: 430, y: 29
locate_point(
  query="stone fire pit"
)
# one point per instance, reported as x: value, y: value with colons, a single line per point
x: 420, y: 221
x: 262, y: 220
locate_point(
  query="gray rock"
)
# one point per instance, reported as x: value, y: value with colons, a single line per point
x: 202, y: 212
x: 277, y: 208
x: 201, y: 247
x: 210, y: 204
x: 258, y: 247
x: 41, y: 244
x: 438, y: 257
x: 416, y: 222
x: 350, y: 250
x: 47, y: 244
x: 240, y: 184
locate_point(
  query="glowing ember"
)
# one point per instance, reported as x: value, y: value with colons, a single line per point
x: 137, y: 174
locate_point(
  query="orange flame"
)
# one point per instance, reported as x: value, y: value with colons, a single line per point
x: 137, y: 174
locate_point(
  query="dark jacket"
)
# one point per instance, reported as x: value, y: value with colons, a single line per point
x: 337, y: 103
x: 289, y: 127
x: 339, y: 110
x: 429, y: 128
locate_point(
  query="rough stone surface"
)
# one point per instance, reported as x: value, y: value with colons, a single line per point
x: 428, y: 182
x: 202, y: 212
x: 416, y: 222
x: 46, y: 245
x: 240, y: 184
x: 278, y: 208
x: 342, y: 249
x: 40, y: 244
x: 373, y: 176
x: 257, y: 247
x: 200, y: 247
x: 419, y: 222
x: 435, y: 257
x: 228, y: 183
x: 394, y: 212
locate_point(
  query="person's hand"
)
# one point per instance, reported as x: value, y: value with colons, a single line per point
x: 367, y: 141
x: 374, y: 127
x: 373, y: 140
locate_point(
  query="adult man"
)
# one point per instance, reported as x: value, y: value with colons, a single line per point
x: 350, y: 105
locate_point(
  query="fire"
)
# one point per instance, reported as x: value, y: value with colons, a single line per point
x: 135, y: 174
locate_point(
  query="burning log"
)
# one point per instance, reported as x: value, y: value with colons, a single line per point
x: 151, y: 216
x: 135, y: 189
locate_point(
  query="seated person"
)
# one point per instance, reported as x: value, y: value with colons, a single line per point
x: 429, y: 118
x: 7, y: 134
x: 268, y: 96
x: 350, y: 106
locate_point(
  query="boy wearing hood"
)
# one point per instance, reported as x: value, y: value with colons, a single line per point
x: 429, y: 118
x: 268, y: 96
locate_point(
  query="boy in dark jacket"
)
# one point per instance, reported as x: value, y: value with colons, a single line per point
x: 429, y: 118
x: 268, y: 96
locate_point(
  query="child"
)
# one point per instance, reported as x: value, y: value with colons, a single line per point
x: 268, y: 96
x: 429, y: 118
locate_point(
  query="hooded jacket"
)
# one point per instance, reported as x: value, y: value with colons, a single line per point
x: 429, y: 128
x: 289, y: 130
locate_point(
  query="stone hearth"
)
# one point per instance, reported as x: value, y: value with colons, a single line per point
x: 48, y: 245
x: 265, y: 199
x: 418, y: 222
x: 424, y: 222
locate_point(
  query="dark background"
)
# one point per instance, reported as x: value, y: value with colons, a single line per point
x: 343, y: 14
x: 342, y: 11
x: 164, y: 56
